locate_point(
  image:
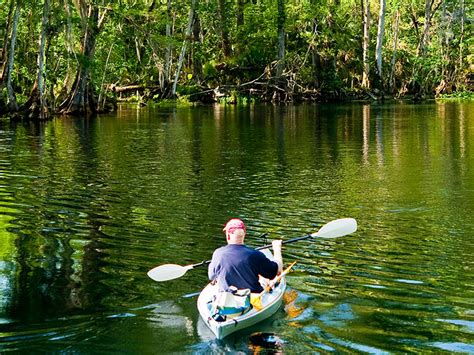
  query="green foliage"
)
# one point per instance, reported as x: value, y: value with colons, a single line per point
x: 183, y: 101
x: 209, y: 71
x: 323, y: 45
x: 457, y: 96
x: 188, y: 89
x: 179, y: 102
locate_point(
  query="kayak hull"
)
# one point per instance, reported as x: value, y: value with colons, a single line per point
x: 271, y: 302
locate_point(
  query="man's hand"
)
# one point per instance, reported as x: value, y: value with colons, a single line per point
x: 276, y: 245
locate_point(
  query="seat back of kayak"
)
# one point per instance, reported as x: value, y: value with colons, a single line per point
x: 271, y: 303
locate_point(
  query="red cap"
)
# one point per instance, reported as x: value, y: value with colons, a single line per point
x: 234, y: 224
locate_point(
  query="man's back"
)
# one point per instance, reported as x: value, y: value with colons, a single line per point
x: 238, y: 265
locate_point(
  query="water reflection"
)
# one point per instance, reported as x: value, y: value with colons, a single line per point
x: 169, y: 316
x: 265, y: 342
x: 87, y: 206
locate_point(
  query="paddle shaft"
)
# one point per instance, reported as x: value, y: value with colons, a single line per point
x: 292, y: 240
x: 333, y: 229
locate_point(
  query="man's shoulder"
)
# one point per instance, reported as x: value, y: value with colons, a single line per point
x: 220, y: 249
x: 258, y: 255
x: 225, y: 249
x: 240, y: 249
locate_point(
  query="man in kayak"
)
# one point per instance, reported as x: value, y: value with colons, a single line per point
x: 238, y: 265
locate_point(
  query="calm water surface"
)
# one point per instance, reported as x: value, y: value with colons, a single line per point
x: 87, y: 206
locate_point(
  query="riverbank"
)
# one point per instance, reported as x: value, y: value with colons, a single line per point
x: 235, y: 95
x: 232, y: 95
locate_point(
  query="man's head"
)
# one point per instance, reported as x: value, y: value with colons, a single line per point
x: 235, y: 231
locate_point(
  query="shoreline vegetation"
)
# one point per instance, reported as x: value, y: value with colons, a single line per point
x: 73, y: 57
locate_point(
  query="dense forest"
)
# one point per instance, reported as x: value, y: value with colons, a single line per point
x: 78, y: 56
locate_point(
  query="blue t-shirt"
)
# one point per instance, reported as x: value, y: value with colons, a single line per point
x: 238, y: 265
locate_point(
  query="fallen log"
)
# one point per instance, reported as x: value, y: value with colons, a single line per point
x: 127, y: 88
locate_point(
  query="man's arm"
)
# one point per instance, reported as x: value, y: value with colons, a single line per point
x: 276, y: 245
x: 211, y: 272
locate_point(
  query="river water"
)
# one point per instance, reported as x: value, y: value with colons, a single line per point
x: 88, y: 206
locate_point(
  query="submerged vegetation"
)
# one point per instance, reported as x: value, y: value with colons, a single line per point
x: 75, y: 57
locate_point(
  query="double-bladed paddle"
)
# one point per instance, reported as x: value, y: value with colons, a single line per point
x: 333, y: 229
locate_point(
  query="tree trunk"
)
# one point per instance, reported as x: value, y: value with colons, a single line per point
x: 167, y: 69
x: 12, y: 105
x: 81, y: 97
x: 332, y: 45
x: 391, y: 79
x: 221, y: 8
x: 461, y: 38
x: 4, y: 49
x: 36, y: 107
x: 281, y: 37
x: 100, y: 102
x: 196, y: 61
x: 444, y: 40
x: 69, y: 45
x: 69, y: 41
x: 365, y: 43
x: 447, y: 69
x: 379, y: 46
x: 137, y: 50
x: 43, y: 109
x: 417, y: 86
x: 315, y: 56
x: 426, y: 28
x: 184, y: 47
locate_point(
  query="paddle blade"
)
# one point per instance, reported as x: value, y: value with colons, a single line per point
x: 167, y: 272
x: 337, y: 228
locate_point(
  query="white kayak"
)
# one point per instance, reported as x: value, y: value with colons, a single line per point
x: 271, y: 302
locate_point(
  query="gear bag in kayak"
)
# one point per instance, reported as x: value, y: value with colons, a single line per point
x: 225, y: 305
